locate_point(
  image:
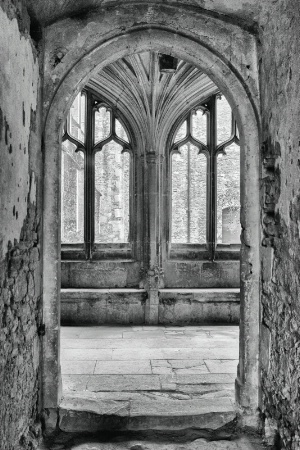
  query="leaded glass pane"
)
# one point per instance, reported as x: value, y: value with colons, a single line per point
x: 120, y: 131
x: 102, y: 124
x: 77, y: 118
x: 188, y: 196
x: 72, y: 195
x: 112, y: 168
x: 181, y: 133
x: 199, y: 126
x: 228, y: 196
x: 223, y: 120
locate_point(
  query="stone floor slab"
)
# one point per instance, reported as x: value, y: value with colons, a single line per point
x: 144, y: 334
x: 221, y: 365
x: 92, y: 332
x: 124, y: 383
x: 172, y: 353
x: 77, y: 367
x: 76, y: 383
x: 161, y: 342
x: 123, y: 367
x: 206, y: 378
x: 88, y: 354
x: 140, y: 378
x: 242, y: 443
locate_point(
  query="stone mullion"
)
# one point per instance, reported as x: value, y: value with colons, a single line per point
x: 144, y: 228
x: 212, y: 176
x: 89, y: 181
x: 161, y: 215
x: 153, y: 258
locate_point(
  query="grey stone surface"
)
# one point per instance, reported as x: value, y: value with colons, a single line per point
x: 280, y: 255
x: 154, y: 388
x: 93, y: 332
x: 187, y: 306
x: 102, y: 306
x: 274, y: 165
x: 74, y: 354
x: 21, y: 175
x: 81, y: 414
x: 124, y: 383
x: 79, y: 43
x: 158, y: 342
x: 126, y: 306
x: 221, y: 366
x: 69, y: 367
x: 168, y: 353
x: 123, y: 367
x: 198, y: 444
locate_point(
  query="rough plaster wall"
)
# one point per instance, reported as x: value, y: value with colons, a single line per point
x: 20, y: 276
x: 280, y: 81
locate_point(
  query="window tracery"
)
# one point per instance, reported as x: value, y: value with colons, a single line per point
x: 205, y: 178
x: 96, y: 172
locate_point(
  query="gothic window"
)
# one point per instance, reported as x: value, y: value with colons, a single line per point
x: 205, y: 179
x: 96, y: 173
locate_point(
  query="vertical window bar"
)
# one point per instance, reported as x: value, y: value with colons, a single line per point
x: 89, y: 179
x: 212, y: 188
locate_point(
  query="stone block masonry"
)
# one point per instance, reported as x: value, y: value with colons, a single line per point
x: 20, y: 220
x: 280, y: 78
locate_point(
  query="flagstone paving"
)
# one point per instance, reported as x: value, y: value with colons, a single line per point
x: 142, y: 350
x: 138, y: 358
x: 139, y: 377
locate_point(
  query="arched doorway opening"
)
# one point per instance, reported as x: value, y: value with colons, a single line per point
x: 235, y: 89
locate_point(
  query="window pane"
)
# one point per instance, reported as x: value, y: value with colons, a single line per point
x: 181, y: 133
x: 120, y: 131
x: 72, y: 201
x: 102, y: 124
x: 199, y: 126
x: 77, y: 118
x: 112, y: 194
x: 228, y: 198
x: 223, y: 120
x: 188, y: 196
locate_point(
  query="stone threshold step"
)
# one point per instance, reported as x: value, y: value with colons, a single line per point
x: 190, y: 440
x: 79, y: 414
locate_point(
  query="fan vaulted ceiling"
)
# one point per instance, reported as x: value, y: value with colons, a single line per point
x: 150, y: 100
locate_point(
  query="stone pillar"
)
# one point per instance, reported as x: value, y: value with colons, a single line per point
x: 154, y: 270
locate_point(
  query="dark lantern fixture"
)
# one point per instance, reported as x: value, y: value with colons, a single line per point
x: 167, y: 63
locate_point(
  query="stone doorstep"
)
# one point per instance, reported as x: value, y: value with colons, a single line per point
x: 137, y: 443
x: 89, y: 415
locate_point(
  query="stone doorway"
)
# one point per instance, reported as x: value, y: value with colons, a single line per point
x: 247, y: 380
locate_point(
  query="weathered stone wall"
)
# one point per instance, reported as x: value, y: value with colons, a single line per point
x: 280, y: 81
x: 20, y: 217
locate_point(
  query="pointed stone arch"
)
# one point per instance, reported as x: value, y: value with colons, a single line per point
x: 243, y: 98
